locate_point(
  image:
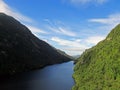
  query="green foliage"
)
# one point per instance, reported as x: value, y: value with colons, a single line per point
x: 98, y: 68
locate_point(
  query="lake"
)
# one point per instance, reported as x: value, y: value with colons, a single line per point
x: 54, y: 77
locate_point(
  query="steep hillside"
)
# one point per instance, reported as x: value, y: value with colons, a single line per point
x: 21, y: 51
x: 98, y: 68
x: 63, y: 53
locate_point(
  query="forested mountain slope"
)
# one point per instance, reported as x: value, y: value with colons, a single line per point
x: 98, y: 68
x: 21, y: 51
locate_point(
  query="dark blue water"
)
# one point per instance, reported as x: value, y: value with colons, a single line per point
x: 55, y: 77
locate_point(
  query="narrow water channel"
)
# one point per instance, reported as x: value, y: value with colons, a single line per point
x: 55, y: 77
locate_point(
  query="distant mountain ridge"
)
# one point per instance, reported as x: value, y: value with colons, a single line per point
x: 21, y: 51
x: 98, y: 68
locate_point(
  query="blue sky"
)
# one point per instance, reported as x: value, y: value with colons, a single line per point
x: 69, y: 25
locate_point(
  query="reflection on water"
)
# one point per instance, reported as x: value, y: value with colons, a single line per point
x: 55, y: 77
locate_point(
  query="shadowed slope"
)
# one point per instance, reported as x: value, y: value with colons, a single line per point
x: 20, y: 50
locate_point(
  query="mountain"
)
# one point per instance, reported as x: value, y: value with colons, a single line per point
x: 63, y: 53
x: 76, y: 57
x: 98, y: 68
x: 21, y: 51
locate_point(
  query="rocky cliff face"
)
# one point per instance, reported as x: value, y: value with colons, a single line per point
x: 21, y: 51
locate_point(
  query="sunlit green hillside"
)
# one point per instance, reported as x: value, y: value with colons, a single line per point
x: 98, y: 68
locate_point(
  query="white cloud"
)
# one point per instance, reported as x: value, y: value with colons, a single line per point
x: 62, y: 30
x: 94, y: 39
x: 59, y: 28
x: 69, y: 43
x: 87, y: 1
x: 4, y: 8
x: 72, y: 47
x: 108, y: 23
x: 77, y: 46
x: 36, y: 30
x: 9, y: 11
x: 113, y: 19
x: 66, y: 32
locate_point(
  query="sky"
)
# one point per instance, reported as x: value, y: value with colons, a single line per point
x: 68, y: 25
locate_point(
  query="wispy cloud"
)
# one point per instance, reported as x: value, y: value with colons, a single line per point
x: 9, y: 11
x: 113, y: 19
x: 36, y: 30
x: 62, y: 30
x: 70, y: 46
x: 4, y: 8
x: 94, y: 39
x: 77, y: 46
x: 59, y: 29
x: 83, y: 2
x: 107, y: 23
x: 69, y: 43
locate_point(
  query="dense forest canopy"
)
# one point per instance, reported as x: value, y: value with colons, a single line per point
x: 98, y: 68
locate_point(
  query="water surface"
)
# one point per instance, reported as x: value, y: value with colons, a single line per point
x: 55, y: 77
